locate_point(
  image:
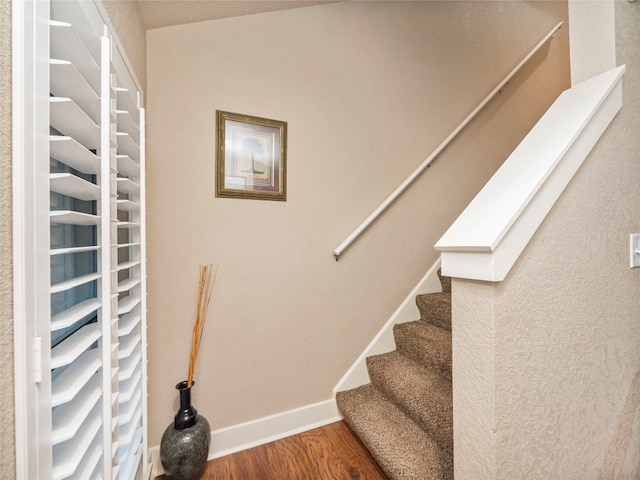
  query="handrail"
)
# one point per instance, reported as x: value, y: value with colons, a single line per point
x: 445, y: 143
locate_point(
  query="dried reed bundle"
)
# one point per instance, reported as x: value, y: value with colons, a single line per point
x: 205, y: 287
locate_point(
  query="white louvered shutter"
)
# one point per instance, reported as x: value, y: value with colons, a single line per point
x: 130, y: 278
x: 93, y: 345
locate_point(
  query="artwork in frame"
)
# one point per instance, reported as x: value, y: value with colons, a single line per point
x: 250, y: 157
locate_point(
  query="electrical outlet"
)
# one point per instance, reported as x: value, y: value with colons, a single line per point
x: 634, y: 250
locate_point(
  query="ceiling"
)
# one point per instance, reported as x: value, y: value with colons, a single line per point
x: 163, y: 13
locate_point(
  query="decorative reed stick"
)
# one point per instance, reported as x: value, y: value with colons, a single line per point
x: 205, y: 287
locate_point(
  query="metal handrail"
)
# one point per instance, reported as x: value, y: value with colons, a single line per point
x: 423, y: 166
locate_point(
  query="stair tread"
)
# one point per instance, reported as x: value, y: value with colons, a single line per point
x: 419, y: 391
x: 435, y: 308
x: 426, y: 344
x: 401, y: 448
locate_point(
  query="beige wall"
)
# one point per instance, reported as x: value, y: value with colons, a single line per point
x: 558, y: 394
x: 593, y: 38
x: 368, y: 89
x: 7, y: 441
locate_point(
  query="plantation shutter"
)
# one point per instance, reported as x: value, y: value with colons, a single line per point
x: 130, y: 278
x: 93, y: 345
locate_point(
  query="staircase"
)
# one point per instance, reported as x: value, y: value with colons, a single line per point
x: 404, y: 416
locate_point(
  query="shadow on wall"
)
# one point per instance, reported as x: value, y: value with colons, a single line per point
x: 620, y: 456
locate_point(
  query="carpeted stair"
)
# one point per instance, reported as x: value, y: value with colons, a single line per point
x: 404, y: 416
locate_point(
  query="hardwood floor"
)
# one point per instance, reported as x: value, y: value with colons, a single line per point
x: 331, y: 452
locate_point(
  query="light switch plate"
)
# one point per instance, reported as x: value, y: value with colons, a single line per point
x: 634, y: 250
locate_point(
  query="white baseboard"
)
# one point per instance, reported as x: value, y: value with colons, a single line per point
x: 250, y: 434
x: 384, y: 342
x: 226, y: 441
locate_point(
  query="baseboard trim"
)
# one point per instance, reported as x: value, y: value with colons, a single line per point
x: 235, y: 438
x: 384, y: 342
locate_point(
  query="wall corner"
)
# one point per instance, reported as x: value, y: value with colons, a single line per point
x: 474, y: 379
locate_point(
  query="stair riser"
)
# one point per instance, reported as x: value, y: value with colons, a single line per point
x: 425, y: 345
x: 425, y: 402
x: 442, y: 369
x: 445, y: 282
x: 411, y: 454
x: 435, y: 308
x: 404, y: 416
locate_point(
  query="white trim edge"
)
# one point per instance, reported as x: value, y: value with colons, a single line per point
x: 19, y: 167
x: 384, y: 342
x: 226, y: 441
x: 488, y: 237
x: 30, y: 196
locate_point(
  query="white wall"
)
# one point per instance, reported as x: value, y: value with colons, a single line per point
x: 368, y: 90
x: 557, y: 383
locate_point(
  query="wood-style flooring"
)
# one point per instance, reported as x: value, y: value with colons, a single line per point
x: 331, y: 452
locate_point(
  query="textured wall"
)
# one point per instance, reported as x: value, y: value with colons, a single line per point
x: 7, y: 443
x: 162, y: 13
x: 563, y: 326
x: 474, y: 382
x: 126, y: 20
x: 368, y: 89
x: 593, y: 38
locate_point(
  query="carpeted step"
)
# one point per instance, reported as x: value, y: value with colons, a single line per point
x: 444, y: 281
x: 405, y: 416
x: 420, y: 392
x: 401, y: 448
x: 426, y: 344
x: 435, y: 308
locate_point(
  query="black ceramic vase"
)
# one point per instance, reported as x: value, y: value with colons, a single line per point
x: 185, y: 443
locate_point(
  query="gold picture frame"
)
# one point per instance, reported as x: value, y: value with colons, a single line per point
x: 251, y: 157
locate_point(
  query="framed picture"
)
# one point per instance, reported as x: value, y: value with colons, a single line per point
x: 250, y: 157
